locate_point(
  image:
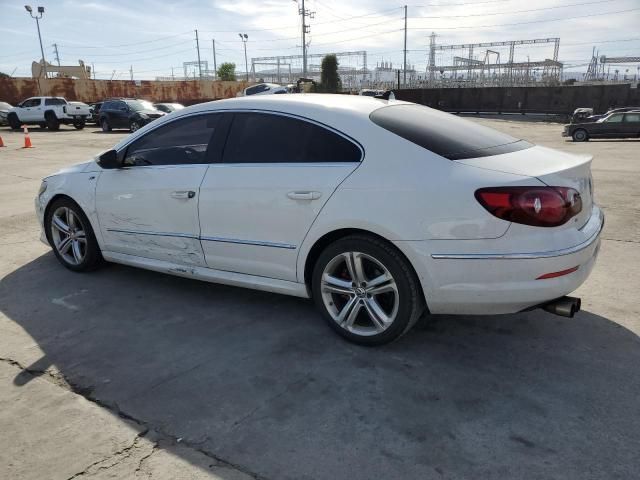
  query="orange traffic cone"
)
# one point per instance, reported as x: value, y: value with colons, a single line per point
x: 2, y: 143
x: 27, y: 140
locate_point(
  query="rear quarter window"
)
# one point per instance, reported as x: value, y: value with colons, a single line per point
x: 444, y: 134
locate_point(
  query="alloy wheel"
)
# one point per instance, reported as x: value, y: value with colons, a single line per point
x: 68, y: 234
x: 359, y: 293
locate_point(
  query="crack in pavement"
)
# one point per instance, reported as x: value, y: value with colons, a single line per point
x: 123, y: 453
x: 58, y: 379
x: 620, y: 240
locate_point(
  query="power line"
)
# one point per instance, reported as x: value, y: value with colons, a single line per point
x: 138, y: 51
x: 159, y: 39
x: 514, y: 11
x: 527, y: 23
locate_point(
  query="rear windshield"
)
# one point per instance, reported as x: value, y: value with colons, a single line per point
x: 447, y: 135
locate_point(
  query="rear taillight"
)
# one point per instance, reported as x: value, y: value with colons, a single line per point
x: 536, y: 206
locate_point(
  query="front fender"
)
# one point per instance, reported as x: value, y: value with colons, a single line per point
x: 80, y: 187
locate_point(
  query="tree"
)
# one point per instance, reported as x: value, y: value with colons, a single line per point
x: 227, y: 71
x: 329, y: 78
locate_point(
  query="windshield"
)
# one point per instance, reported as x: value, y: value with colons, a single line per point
x: 138, y: 105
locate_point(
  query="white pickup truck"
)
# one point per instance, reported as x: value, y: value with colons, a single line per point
x: 48, y: 112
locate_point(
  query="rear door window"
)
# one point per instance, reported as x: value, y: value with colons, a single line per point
x: 632, y: 117
x: 55, y: 101
x: 270, y: 138
x: 444, y: 134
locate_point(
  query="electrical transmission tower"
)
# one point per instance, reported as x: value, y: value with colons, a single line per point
x: 55, y: 49
x: 304, y: 13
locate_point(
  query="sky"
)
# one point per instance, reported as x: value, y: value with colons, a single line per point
x: 154, y: 38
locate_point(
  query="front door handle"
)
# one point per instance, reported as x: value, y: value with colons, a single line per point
x: 184, y: 194
x: 304, y: 195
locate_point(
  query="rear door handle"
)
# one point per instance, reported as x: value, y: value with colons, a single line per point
x: 185, y: 194
x: 304, y: 195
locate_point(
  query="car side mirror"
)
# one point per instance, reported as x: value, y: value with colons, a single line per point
x: 109, y: 160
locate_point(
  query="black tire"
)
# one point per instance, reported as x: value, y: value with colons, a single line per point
x: 92, y: 255
x: 14, y: 121
x: 52, y: 122
x: 42, y: 125
x: 134, y: 126
x: 409, y: 297
x: 79, y: 125
x: 104, y: 124
x: 580, y: 135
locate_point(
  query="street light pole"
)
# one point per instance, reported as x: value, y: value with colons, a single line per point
x: 244, y: 37
x: 37, y: 18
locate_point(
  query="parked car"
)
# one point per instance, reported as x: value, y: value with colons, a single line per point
x: 614, y: 125
x: 367, y: 92
x: 168, y: 107
x: 127, y: 113
x: 378, y: 211
x: 48, y: 112
x: 4, y: 111
x: 95, y: 112
x: 585, y: 115
x: 265, y: 89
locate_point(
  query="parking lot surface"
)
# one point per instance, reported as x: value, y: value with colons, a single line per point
x: 125, y: 373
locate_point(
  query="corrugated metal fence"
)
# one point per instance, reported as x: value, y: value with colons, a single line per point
x: 554, y: 100
x: 14, y: 90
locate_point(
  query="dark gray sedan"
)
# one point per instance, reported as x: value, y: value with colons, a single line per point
x: 614, y: 125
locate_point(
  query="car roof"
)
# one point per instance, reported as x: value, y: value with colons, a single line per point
x: 346, y: 113
x: 298, y: 103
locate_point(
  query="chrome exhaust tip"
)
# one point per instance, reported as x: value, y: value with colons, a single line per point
x: 564, y: 306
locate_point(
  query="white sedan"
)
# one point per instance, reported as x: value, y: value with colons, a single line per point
x: 378, y: 210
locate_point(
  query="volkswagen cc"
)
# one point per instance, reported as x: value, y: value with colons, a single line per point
x: 380, y: 211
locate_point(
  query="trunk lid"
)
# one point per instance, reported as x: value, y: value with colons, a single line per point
x: 551, y: 167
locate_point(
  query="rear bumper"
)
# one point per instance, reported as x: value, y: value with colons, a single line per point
x: 502, y: 282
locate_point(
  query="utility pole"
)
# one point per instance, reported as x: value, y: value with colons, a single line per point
x: 198, y: 49
x: 215, y: 65
x: 304, y: 13
x: 93, y: 70
x: 405, y: 47
x: 37, y: 18
x: 55, y: 49
x: 131, y: 72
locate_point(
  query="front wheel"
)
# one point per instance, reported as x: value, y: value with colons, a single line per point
x: 580, y: 136
x: 104, y: 124
x: 79, y: 125
x: 14, y: 121
x: 71, y: 236
x: 134, y: 126
x: 366, y: 290
x: 52, y: 122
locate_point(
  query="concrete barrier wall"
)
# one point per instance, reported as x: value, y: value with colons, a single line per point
x: 555, y: 100
x: 14, y: 90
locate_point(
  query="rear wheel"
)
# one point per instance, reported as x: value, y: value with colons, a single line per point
x: 580, y: 135
x: 71, y: 236
x: 79, y: 125
x: 366, y: 290
x: 14, y: 121
x: 42, y: 125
